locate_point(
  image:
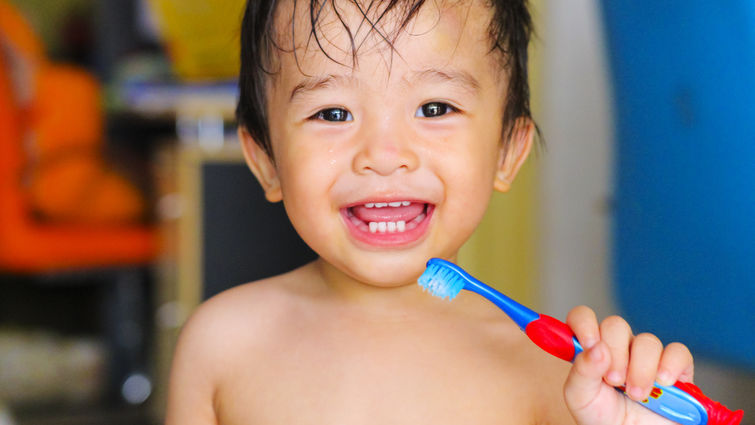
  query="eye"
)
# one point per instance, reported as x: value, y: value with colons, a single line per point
x: 334, y: 115
x: 434, y: 109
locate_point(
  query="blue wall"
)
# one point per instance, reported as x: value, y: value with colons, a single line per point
x: 683, y: 76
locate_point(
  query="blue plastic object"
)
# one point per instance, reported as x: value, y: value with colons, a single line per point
x: 684, y: 230
x: 683, y: 403
x: 445, y: 279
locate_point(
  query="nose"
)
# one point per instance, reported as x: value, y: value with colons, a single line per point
x: 384, y: 149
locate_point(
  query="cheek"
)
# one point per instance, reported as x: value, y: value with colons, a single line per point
x: 306, y: 181
x: 470, y: 184
x: 472, y: 197
x: 474, y: 162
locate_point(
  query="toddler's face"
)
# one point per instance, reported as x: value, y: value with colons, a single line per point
x: 385, y: 165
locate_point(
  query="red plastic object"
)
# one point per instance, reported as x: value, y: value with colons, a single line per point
x: 718, y: 414
x: 553, y: 336
x: 557, y: 338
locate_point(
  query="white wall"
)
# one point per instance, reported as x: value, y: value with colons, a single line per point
x: 576, y: 124
x: 576, y: 120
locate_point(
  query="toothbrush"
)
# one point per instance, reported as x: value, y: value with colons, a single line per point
x: 683, y: 402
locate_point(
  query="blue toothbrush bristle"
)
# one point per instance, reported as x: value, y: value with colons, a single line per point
x: 441, y: 281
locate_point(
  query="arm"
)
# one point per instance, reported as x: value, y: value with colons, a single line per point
x: 193, y: 375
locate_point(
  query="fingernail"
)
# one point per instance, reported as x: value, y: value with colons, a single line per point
x: 589, y: 343
x: 664, y: 378
x: 615, y: 378
x: 636, y: 393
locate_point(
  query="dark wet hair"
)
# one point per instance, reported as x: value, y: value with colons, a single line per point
x: 509, y: 32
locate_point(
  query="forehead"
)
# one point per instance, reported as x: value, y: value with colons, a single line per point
x: 364, y: 37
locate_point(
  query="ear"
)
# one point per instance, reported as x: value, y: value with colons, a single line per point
x: 512, y: 155
x: 261, y: 165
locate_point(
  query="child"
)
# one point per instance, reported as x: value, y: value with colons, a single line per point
x: 383, y: 127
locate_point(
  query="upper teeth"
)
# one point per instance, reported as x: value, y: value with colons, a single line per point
x: 387, y: 204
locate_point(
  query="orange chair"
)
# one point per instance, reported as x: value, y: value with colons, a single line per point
x: 50, y: 139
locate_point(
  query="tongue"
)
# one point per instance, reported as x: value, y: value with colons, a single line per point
x: 388, y: 213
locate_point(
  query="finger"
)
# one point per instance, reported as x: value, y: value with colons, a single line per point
x: 617, y: 335
x: 676, y: 365
x: 584, y: 324
x: 644, y: 357
x: 585, y: 380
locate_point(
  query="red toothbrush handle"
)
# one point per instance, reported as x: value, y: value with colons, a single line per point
x: 718, y: 414
x: 553, y: 336
x: 556, y: 338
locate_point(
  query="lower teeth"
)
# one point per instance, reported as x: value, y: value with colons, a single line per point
x: 390, y: 227
x: 386, y: 227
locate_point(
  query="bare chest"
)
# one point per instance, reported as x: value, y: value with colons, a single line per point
x: 376, y: 379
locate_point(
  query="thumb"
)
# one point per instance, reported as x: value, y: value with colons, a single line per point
x: 588, y: 398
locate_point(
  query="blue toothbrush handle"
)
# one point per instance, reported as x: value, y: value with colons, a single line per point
x: 671, y: 402
x: 675, y: 404
x: 683, y: 402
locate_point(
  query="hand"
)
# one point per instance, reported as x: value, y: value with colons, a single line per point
x: 613, y: 357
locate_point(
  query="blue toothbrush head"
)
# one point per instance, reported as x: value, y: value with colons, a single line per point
x: 442, y: 279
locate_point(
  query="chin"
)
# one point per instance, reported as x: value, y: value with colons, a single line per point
x: 389, y: 271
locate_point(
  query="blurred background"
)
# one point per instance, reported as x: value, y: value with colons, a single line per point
x: 125, y: 201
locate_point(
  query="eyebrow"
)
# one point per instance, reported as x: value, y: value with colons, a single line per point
x: 460, y: 78
x: 309, y: 84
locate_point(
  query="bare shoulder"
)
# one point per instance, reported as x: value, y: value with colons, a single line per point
x: 248, y: 314
x: 230, y: 328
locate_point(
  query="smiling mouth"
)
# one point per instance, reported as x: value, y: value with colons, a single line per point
x: 387, y: 217
x: 388, y: 223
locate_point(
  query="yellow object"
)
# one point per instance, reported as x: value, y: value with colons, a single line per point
x: 502, y: 251
x: 201, y: 36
